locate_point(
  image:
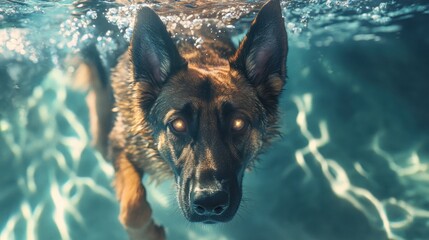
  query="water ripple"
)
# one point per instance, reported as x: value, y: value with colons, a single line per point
x: 62, y: 186
x: 376, y: 210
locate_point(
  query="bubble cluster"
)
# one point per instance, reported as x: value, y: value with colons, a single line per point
x: 321, y: 22
x: 17, y: 45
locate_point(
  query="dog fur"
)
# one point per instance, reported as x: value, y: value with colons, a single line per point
x: 209, y: 90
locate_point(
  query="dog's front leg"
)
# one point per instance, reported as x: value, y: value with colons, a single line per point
x: 135, y: 212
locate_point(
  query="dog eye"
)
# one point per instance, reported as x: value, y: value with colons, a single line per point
x: 238, y: 124
x: 178, y: 125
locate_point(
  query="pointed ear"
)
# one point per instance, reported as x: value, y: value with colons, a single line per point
x: 261, y: 56
x: 153, y: 53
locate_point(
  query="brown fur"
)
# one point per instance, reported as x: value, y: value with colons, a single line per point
x: 213, y: 78
x: 135, y: 213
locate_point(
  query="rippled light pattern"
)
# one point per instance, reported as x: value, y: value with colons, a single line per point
x: 50, y: 167
x: 376, y: 210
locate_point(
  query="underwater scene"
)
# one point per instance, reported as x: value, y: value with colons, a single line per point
x: 352, y: 161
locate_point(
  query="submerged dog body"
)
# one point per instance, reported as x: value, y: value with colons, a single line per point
x: 199, y: 115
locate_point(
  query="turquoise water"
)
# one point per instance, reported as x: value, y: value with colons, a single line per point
x: 352, y: 163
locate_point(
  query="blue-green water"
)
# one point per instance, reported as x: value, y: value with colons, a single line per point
x: 353, y: 162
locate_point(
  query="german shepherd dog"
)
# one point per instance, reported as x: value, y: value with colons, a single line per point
x: 200, y: 115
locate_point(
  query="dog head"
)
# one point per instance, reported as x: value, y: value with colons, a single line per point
x: 209, y: 125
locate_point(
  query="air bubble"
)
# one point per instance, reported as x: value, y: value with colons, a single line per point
x: 92, y: 14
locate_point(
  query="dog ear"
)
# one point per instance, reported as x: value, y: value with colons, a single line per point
x: 153, y: 53
x: 261, y: 56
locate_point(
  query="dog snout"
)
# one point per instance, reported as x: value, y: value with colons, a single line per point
x: 208, y: 202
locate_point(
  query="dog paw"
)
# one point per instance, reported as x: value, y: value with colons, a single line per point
x: 155, y: 232
x: 148, y: 232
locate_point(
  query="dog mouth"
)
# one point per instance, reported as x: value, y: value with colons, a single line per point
x: 209, y: 222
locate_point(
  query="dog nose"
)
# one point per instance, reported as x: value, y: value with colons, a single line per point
x: 209, y: 202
